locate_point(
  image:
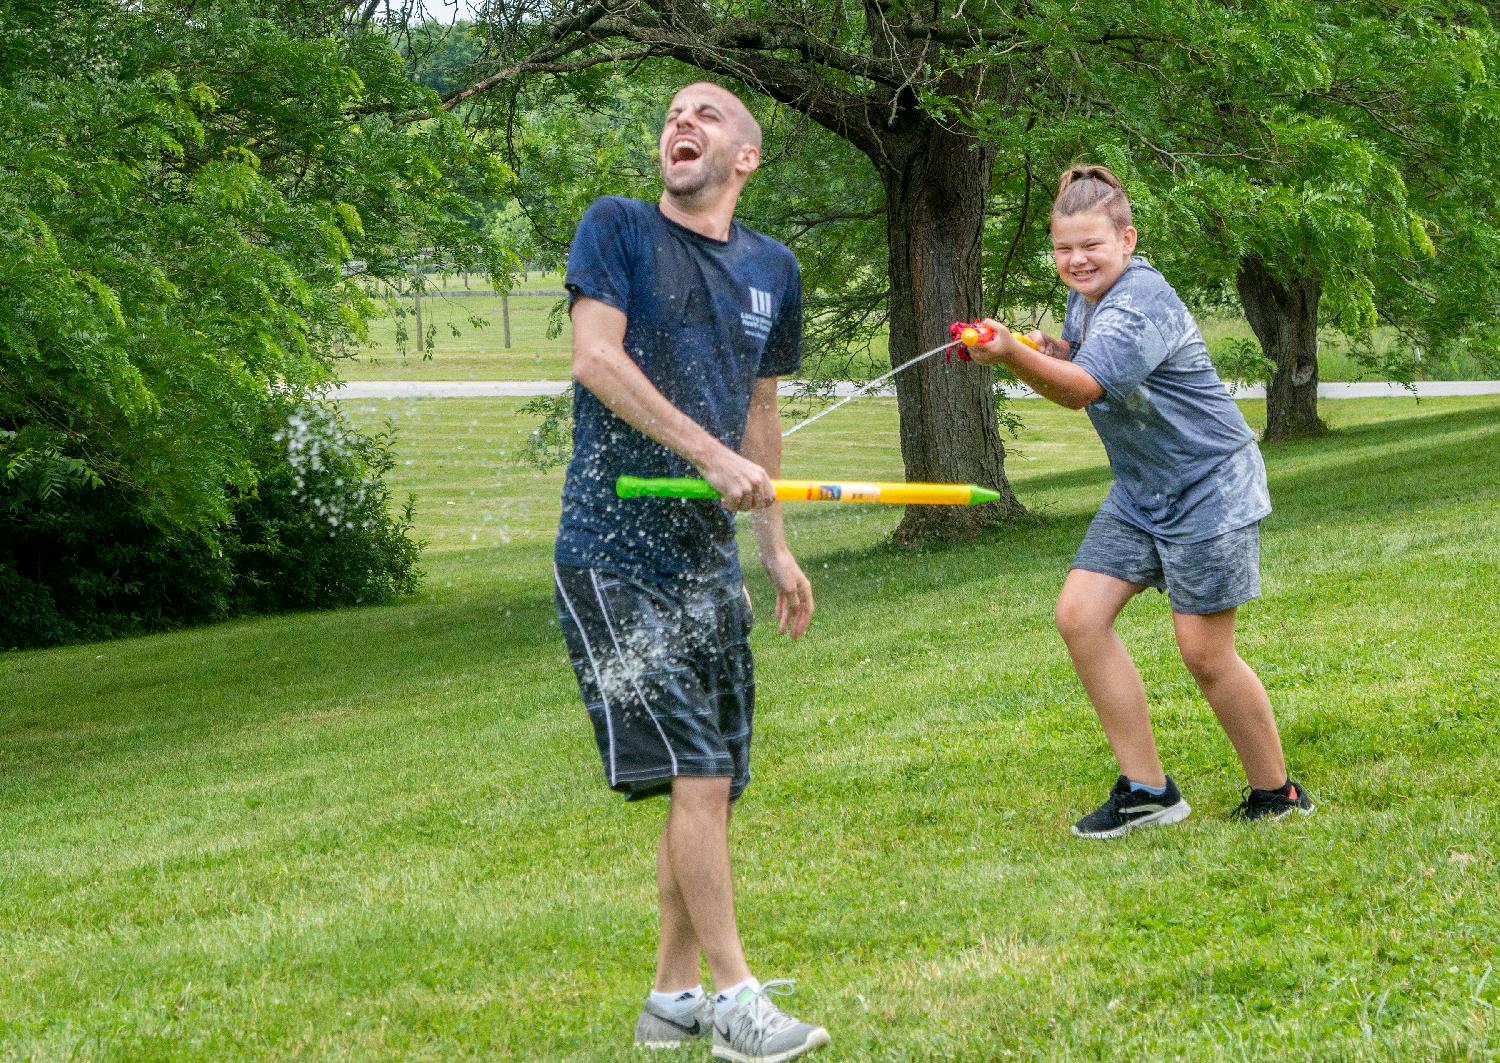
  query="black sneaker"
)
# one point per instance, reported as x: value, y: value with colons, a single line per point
x: 1275, y: 804
x: 1127, y: 809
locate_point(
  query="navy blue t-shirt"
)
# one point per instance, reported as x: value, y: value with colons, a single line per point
x: 703, y: 319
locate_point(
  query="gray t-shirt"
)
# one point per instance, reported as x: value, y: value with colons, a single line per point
x: 1185, y: 462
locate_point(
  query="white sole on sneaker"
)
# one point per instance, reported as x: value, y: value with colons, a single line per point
x: 1277, y: 817
x: 816, y: 1038
x: 1165, y: 818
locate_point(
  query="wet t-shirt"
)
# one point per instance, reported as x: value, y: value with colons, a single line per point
x: 1186, y: 465
x: 704, y: 319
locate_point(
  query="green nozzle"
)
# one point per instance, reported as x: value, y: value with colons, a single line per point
x: 978, y: 496
x: 663, y: 487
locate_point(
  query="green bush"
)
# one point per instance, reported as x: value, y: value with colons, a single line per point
x: 318, y: 531
x: 86, y: 561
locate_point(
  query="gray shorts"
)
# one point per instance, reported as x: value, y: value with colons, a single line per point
x: 1199, y: 578
x: 665, y: 673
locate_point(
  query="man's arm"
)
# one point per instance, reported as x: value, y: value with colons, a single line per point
x: 1049, y: 374
x: 601, y: 365
x: 762, y: 445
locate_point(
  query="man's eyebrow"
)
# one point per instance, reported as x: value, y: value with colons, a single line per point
x: 701, y: 107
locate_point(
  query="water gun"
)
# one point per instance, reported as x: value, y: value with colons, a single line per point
x: 899, y: 494
x: 973, y: 333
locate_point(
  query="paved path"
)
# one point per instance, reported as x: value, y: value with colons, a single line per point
x: 472, y: 389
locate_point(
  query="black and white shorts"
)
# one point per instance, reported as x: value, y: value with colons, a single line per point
x: 665, y: 673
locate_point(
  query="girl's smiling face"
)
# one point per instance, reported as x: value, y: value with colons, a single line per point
x: 1091, y: 252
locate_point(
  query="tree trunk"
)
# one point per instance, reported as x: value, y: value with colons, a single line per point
x: 935, y: 184
x: 1284, y: 315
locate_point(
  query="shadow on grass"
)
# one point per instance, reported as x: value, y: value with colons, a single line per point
x: 189, y: 690
x: 496, y: 637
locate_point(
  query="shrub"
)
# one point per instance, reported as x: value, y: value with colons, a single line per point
x: 318, y: 531
x: 85, y: 560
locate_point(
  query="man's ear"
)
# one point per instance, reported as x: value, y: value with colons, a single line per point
x: 748, y: 159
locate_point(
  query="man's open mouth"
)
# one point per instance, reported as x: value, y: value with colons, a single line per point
x: 684, y: 151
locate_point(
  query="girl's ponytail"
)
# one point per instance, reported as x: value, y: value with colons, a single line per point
x: 1086, y: 188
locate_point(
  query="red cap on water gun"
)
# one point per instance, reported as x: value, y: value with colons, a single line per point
x: 969, y: 333
x: 973, y: 333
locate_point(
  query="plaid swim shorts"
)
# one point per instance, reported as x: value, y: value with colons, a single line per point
x: 665, y: 673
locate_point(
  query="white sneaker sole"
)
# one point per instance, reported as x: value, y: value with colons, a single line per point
x: 815, y: 1039
x: 1165, y: 818
x: 1277, y: 817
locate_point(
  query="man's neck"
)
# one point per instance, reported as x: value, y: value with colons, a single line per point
x: 707, y: 219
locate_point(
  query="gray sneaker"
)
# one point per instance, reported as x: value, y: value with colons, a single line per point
x: 754, y: 1030
x: 659, y: 1028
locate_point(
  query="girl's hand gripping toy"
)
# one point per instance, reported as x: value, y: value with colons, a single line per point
x: 972, y: 334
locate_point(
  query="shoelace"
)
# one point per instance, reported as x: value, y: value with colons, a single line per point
x: 1262, y: 799
x: 759, y: 1019
x: 1246, y: 795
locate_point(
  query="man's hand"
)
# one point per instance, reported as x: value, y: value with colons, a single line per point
x: 741, y: 483
x: 794, y: 595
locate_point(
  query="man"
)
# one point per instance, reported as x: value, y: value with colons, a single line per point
x: 682, y: 321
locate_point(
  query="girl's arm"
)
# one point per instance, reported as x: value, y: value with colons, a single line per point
x: 1049, y: 375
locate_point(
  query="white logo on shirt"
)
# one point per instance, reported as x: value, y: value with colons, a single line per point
x: 757, y: 321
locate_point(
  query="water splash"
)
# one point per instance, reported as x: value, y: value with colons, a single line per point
x: 866, y: 388
x: 319, y: 448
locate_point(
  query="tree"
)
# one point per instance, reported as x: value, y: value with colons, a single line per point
x: 190, y: 200
x: 1264, y: 143
x: 857, y: 74
x: 1331, y: 164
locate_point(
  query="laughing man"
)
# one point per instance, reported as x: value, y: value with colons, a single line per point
x: 683, y: 319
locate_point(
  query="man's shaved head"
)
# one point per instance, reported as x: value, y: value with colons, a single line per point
x: 746, y: 128
x: 709, y: 146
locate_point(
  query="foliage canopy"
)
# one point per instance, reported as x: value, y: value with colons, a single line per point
x: 191, y: 205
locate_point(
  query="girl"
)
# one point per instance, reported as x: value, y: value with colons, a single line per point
x: 1183, y: 514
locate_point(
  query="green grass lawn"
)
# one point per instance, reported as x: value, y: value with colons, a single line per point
x: 467, y: 336
x: 382, y: 833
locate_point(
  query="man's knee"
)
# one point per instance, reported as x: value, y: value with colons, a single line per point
x: 702, y: 793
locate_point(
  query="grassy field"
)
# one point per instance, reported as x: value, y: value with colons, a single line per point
x: 462, y: 351
x: 382, y: 834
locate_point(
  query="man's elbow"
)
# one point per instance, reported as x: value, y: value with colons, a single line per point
x: 587, y: 366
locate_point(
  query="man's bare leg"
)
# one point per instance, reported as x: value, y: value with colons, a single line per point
x: 678, y: 953
x: 1086, y: 612
x: 699, y: 885
x: 1234, y: 692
